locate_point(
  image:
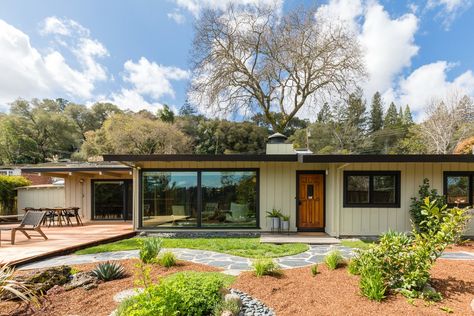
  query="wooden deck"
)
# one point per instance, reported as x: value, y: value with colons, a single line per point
x: 61, y: 240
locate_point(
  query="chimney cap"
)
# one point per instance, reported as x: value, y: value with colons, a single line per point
x: 277, y: 138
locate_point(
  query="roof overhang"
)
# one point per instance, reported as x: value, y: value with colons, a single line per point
x: 84, y: 171
x: 189, y: 157
x: 302, y: 158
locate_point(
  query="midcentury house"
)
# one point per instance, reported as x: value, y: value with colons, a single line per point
x: 342, y: 195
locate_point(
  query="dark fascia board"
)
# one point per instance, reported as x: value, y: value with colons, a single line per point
x: 190, y: 157
x: 72, y: 169
x: 387, y: 158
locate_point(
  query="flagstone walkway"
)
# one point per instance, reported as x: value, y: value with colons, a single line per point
x: 232, y: 264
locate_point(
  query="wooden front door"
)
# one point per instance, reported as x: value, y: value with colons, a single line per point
x: 310, y: 201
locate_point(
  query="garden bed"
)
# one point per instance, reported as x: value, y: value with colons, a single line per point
x: 295, y: 292
x: 97, y: 301
x: 336, y: 292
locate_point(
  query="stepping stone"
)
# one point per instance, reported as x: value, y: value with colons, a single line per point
x: 123, y: 295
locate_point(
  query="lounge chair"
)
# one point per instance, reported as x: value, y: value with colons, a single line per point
x: 31, y: 222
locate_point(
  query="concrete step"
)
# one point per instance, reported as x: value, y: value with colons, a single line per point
x: 299, y: 238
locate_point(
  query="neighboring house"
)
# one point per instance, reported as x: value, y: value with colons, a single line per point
x: 8, y: 171
x: 342, y: 195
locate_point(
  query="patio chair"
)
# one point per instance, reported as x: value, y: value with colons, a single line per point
x: 73, y: 212
x: 31, y: 222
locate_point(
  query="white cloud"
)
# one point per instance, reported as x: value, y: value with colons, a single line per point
x: 450, y: 9
x: 177, y: 17
x: 27, y: 73
x: 195, y: 6
x: 430, y: 81
x: 389, y: 46
x: 149, y: 78
x: 129, y: 99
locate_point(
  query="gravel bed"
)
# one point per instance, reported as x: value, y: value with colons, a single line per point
x: 251, y: 306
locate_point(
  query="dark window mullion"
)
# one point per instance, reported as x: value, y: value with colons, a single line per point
x: 199, y: 199
x: 371, y: 189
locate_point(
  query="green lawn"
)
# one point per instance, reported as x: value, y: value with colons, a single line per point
x: 244, y: 247
x: 360, y: 244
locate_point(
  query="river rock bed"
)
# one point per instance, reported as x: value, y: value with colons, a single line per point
x: 252, y: 306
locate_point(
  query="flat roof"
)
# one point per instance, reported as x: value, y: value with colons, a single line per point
x: 304, y: 158
x: 70, y: 167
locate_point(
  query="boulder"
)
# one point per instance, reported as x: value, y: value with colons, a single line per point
x: 86, y: 280
x: 233, y: 298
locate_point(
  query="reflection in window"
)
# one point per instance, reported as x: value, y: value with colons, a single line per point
x: 372, y: 189
x: 384, y: 189
x: 458, y: 190
x: 229, y: 198
x: 358, y: 189
x: 169, y: 199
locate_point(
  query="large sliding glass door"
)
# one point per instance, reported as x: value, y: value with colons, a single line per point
x: 112, y: 199
x: 199, y: 198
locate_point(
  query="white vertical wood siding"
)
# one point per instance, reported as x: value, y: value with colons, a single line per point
x: 278, y: 190
x: 40, y: 196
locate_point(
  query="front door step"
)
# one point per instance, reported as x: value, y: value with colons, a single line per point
x: 299, y: 238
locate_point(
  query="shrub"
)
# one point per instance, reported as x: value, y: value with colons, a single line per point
x: 372, y: 284
x: 417, y: 202
x: 403, y: 261
x: 149, y: 249
x: 333, y: 259
x: 186, y: 293
x: 168, y: 259
x: 353, y: 267
x: 108, y: 271
x: 8, y: 184
x: 11, y: 288
x: 314, y: 269
x: 265, y: 267
x: 226, y: 306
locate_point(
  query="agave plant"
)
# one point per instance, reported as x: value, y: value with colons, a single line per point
x: 9, y: 287
x: 107, y: 271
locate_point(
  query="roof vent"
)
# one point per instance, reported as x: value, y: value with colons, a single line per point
x: 276, y: 145
x: 277, y: 138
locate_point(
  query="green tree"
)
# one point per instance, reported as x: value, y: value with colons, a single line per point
x: 376, y: 113
x: 166, y: 114
x: 407, y: 116
x: 134, y: 134
x: 391, y: 118
x: 324, y: 115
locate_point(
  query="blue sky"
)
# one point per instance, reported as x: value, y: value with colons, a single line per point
x: 136, y: 53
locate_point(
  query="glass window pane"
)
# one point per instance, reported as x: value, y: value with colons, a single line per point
x: 357, y: 189
x: 384, y: 189
x: 458, y: 189
x: 229, y: 198
x: 109, y: 199
x: 169, y: 199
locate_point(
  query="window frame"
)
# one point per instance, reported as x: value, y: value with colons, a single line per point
x: 371, y: 174
x: 199, y: 198
x: 470, y: 175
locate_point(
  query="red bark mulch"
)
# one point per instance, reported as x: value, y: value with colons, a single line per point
x: 336, y: 292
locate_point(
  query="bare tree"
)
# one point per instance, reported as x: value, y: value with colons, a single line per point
x: 447, y: 123
x: 256, y: 60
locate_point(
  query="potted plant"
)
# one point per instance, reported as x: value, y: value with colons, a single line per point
x: 285, y: 222
x: 274, y: 215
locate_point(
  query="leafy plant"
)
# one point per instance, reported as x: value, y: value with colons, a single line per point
x: 447, y: 309
x: 333, y: 259
x: 186, y: 293
x: 168, y: 259
x: 74, y: 271
x: 108, y: 271
x: 9, y: 287
x: 372, y: 284
x: 417, y: 202
x: 285, y: 218
x: 149, y: 249
x: 274, y: 213
x: 353, y: 267
x: 8, y: 184
x: 265, y: 267
x: 314, y: 269
x: 403, y: 261
x: 226, y: 306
